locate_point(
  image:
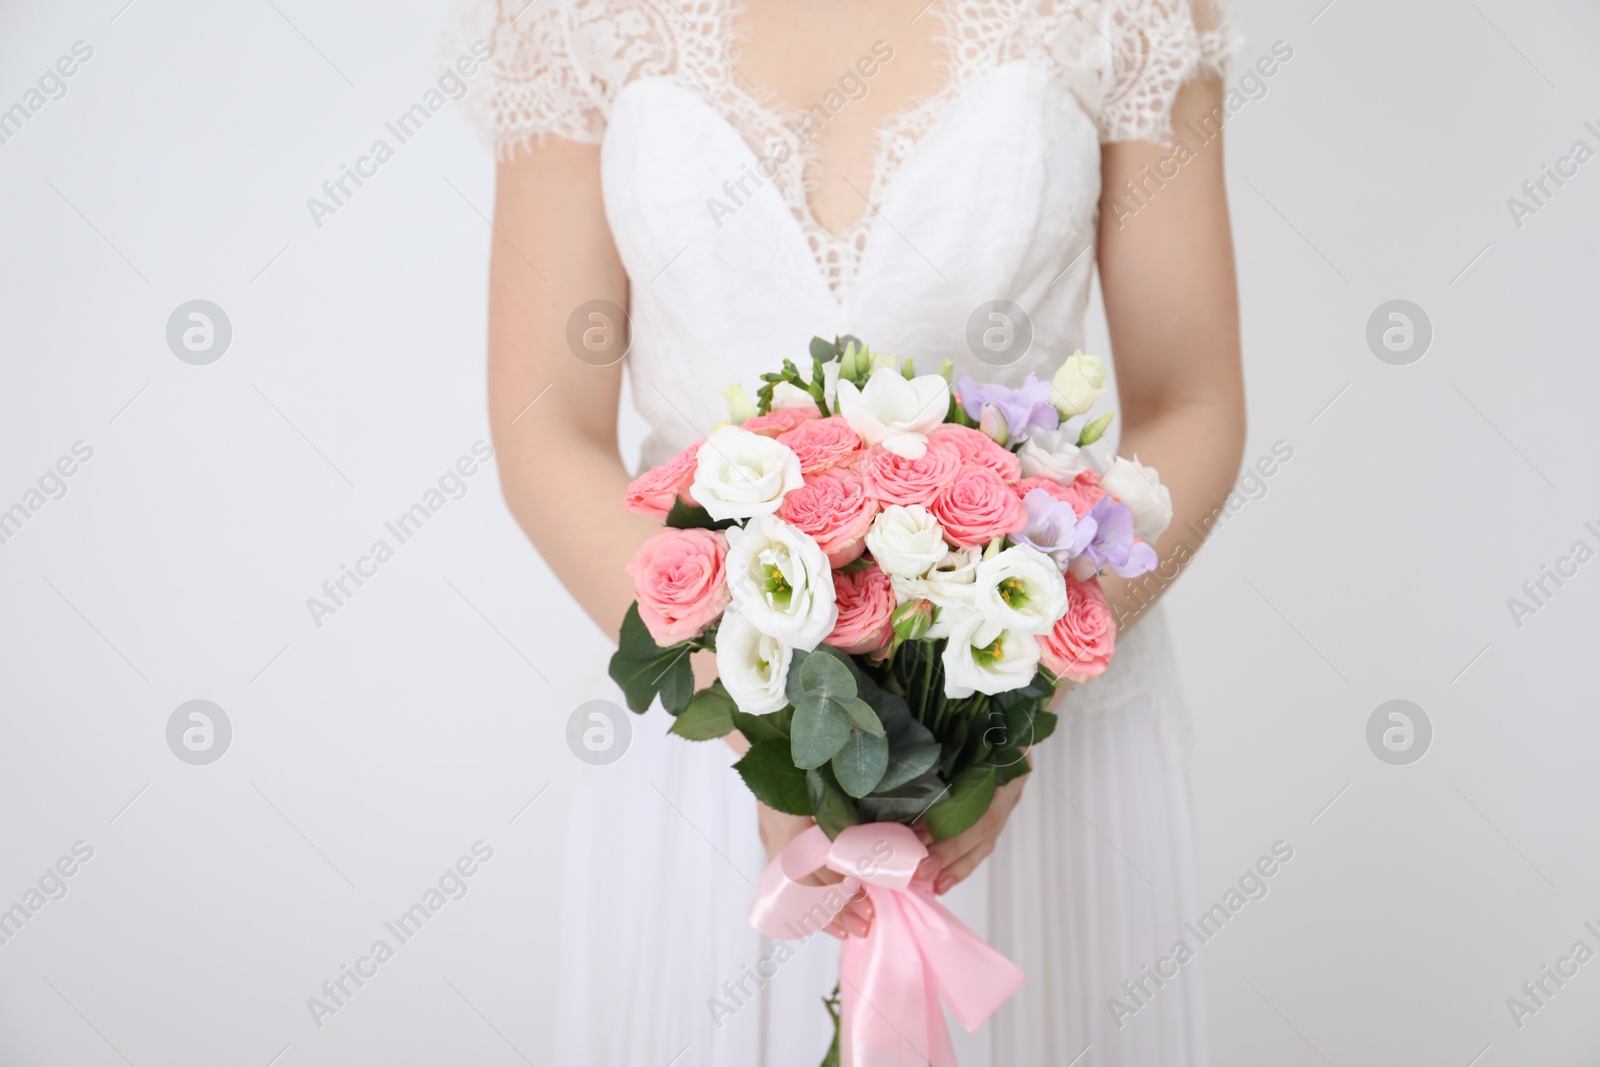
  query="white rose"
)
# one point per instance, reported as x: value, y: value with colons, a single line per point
x: 1053, y: 454
x: 781, y: 582
x: 1139, y: 487
x: 984, y: 657
x: 739, y: 474
x: 790, y: 395
x: 1078, y: 384
x: 906, y: 541
x: 754, y: 668
x: 1020, y: 589
x: 894, y: 411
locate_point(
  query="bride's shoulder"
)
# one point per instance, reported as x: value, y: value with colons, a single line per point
x: 1127, y: 59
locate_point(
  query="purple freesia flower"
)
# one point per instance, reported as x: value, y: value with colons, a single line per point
x: 1024, y: 409
x: 1053, y: 527
x: 1113, y: 544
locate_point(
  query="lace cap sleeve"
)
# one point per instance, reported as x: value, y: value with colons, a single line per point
x: 1158, y: 46
x: 536, y: 82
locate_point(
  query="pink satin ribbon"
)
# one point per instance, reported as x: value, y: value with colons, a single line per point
x: 917, y: 954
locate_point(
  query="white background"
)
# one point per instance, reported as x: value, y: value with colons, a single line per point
x: 368, y: 754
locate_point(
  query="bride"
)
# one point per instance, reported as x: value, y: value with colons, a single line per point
x: 688, y: 191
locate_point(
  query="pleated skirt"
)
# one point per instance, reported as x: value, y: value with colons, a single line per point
x: 1088, y: 892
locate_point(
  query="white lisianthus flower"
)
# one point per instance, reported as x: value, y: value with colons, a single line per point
x: 896, y: 412
x: 984, y: 657
x: 1020, y: 589
x: 739, y: 474
x: 1139, y: 487
x: 1078, y: 384
x: 830, y: 383
x: 1053, y: 454
x: 790, y: 395
x: 754, y: 667
x: 779, y: 579
x: 906, y: 541
x: 948, y: 584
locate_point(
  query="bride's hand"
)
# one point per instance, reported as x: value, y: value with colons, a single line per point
x: 960, y: 855
x: 777, y: 830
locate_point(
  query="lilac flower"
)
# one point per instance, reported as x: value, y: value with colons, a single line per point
x: 1024, y: 409
x: 1053, y: 527
x: 1112, y: 544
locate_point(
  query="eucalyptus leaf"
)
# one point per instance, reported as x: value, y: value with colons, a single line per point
x: 860, y: 764
x: 825, y: 675
x: 862, y: 717
x: 819, y: 729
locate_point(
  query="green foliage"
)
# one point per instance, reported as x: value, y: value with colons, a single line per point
x: 774, y: 779
x: 969, y: 797
x: 643, y: 669
x: 709, y: 715
x: 694, y: 517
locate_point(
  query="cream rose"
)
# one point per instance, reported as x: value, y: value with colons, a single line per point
x: 780, y: 581
x: 906, y: 541
x: 1020, y: 589
x: 984, y: 657
x: 1078, y: 384
x: 895, y: 411
x: 753, y: 666
x: 1140, y: 488
x: 739, y: 474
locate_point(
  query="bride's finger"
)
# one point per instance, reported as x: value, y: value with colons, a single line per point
x: 957, y: 872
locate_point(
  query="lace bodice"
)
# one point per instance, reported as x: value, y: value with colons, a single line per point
x: 559, y: 66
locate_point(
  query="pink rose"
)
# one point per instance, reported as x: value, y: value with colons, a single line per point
x: 866, y: 604
x: 834, y: 507
x: 679, y: 578
x: 977, y: 507
x: 822, y: 443
x: 1050, y: 485
x: 778, y: 420
x: 1080, y: 645
x: 1084, y: 492
x: 975, y: 446
x: 894, y: 479
x: 654, y: 492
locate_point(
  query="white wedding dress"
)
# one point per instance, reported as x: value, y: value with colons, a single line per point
x: 986, y: 190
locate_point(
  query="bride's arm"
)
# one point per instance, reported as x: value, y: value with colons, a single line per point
x: 1167, y: 277
x: 1172, y: 305
x: 553, y: 416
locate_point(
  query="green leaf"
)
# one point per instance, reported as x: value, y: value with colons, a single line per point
x: 760, y: 727
x: 1009, y: 764
x: 861, y: 762
x: 823, y: 350
x: 909, y: 760
x: 819, y: 729
x: 1044, y: 724
x: 792, y: 687
x: 833, y: 809
x: 709, y: 715
x: 969, y: 797
x: 862, y: 717
x: 693, y: 517
x: 643, y: 669
x: 774, y: 779
x: 826, y: 676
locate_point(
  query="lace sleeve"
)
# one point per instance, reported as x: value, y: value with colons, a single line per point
x: 535, y: 84
x: 1158, y: 46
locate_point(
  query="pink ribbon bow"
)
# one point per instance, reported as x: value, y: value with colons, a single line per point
x: 917, y: 954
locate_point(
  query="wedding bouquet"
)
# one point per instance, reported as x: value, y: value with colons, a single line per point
x: 896, y: 574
